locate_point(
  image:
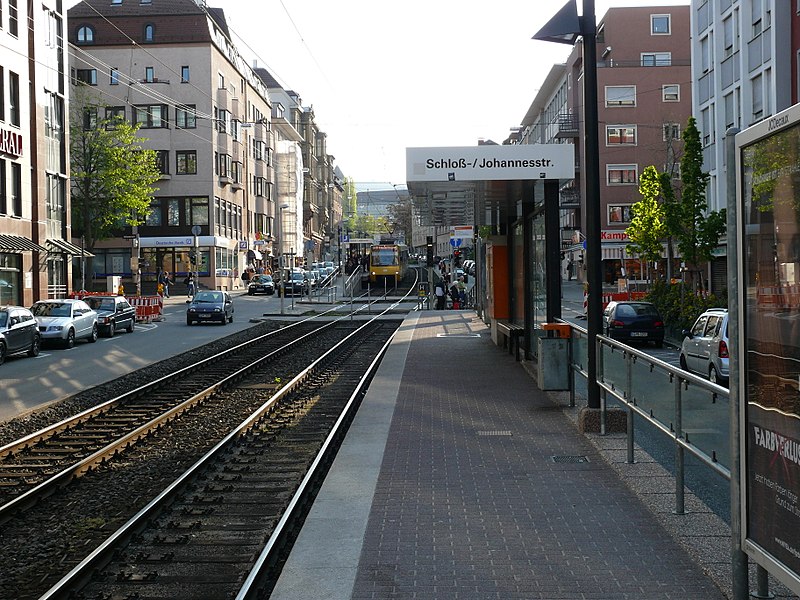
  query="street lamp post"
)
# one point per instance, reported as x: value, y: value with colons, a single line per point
x: 565, y: 28
x: 282, y: 282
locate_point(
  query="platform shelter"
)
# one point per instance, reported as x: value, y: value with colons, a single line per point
x: 509, y: 195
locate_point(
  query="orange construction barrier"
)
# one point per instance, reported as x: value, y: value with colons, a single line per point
x: 148, y: 308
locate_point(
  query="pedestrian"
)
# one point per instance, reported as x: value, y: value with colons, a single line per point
x: 189, y: 281
x: 462, y: 292
x: 165, y: 282
x: 454, y: 295
x: 570, y: 267
x: 441, y: 297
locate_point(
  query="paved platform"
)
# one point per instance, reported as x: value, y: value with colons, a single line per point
x: 460, y: 479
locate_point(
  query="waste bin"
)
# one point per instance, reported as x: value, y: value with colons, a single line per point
x: 553, y: 357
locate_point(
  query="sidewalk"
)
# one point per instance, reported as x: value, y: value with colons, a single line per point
x: 460, y: 479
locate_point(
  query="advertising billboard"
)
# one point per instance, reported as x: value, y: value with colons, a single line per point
x: 768, y: 251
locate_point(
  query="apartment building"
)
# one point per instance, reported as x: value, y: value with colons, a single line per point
x: 644, y: 101
x: 314, y: 222
x: 35, y: 253
x: 745, y: 69
x: 170, y: 67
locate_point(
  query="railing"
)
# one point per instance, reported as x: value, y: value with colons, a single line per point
x: 353, y: 281
x: 693, y: 412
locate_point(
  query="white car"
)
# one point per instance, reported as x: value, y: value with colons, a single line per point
x: 65, y: 321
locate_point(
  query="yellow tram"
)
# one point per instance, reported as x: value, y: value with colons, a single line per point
x: 387, y: 263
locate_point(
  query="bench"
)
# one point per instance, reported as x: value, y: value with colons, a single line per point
x: 512, y: 336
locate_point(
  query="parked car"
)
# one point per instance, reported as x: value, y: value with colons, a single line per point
x: 630, y: 321
x: 19, y: 332
x: 210, y: 305
x: 705, y: 347
x: 65, y: 321
x: 294, y: 283
x: 313, y: 280
x: 113, y: 312
x: 261, y: 284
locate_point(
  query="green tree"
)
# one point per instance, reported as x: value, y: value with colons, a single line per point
x: 696, y: 231
x: 648, y: 227
x: 112, y: 175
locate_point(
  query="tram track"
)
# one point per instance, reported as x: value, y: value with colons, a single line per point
x: 34, y: 466
x: 47, y: 537
x: 201, y: 535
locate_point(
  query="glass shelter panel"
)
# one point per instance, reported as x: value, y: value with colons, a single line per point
x: 768, y: 215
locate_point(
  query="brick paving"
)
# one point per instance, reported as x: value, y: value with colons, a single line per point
x: 471, y: 504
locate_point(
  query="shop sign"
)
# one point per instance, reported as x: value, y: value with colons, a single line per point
x: 10, y: 142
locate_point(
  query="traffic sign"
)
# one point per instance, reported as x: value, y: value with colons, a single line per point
x: 455, y: 242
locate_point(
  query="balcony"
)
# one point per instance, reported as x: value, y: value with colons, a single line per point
x: 570, y: 198
x: 567, y: 126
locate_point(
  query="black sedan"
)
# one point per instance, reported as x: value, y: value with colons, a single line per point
x: 631, y: 321
x: 261, y: 284
x: 19, y: 332
x: 213, y: 305
x: 113, y: 312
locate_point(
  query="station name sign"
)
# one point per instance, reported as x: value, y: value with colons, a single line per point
x: 491, y: 162
x: 10, y: 142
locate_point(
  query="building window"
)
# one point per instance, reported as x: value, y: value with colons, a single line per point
x: 149, y: 32
x: 13, y: 98
x: 758, y: 98
x: 622, y: 174
x: 656, y: 59
x: 162, y: 161
x: 660, y: 25
x: 620, y: 95
x: 2, y: 91
x: 114, y: 76
x: 149, y: 74
x: 236, y: 172
x: 85, y: 35
x: 619, y: 213
x: 757, y: 13
x: 707, y: 125
x: 671, y: 92
x: 197, y: 211
x: 223, y: 118
x: 89, y: 118
x: 114, y: 114
x: 670, y: 131
x: 185, y: 74
x: 186, y: 117
x: 221, y: 81
x: 186, y: 162
x: 223, y: 165
x: 13, y: 24
x: 620, y: 135
x: 728, y: 36
x: 150, y: 116
x: 116, y: 1
x: 3, y: 190
x: 86, y: 76
x: 16, y: 189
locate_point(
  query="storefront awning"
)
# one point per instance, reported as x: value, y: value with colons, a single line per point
x: 58, y: 246
x: 16, y: 243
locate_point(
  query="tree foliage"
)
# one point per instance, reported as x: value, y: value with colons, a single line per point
x: 696, y: 230
x: 648, y: 225
x: 400, y: 218
x: 112, y: 175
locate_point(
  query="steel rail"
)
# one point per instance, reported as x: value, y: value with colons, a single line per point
x: 102, y: 555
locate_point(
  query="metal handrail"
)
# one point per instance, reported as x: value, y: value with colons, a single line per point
x: 684, y: 384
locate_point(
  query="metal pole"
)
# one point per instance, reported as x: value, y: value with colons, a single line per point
x: 280, y: 255
x: 739, y: 571
x: 680, y: 508
x: 594, y: 274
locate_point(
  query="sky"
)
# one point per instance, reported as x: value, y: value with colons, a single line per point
x: 382, y: 76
